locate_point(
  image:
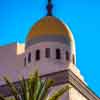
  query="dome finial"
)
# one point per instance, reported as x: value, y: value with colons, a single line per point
x: 49, y: 8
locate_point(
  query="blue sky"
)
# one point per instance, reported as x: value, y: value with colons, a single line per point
x: 82, y: 16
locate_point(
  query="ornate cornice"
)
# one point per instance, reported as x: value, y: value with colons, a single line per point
x: 60, y: 78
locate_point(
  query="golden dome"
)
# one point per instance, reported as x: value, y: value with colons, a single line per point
x: 49, y: 26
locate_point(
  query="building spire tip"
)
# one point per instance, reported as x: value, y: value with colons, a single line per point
x: 49, y: 8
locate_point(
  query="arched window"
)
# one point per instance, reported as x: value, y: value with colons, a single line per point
x: 47, y: 52
x: 24, y: 61
x: 58, y: 53
x: 67, y: 55
x: 29, y: 57
x: 73, y: 59
x: 37, y: 57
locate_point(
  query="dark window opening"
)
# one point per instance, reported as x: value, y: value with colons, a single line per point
x: 47, y: 52
x: 25, y: 61
x: 58, y: 54
x: 29, y: 57
x: 67, y: 55
x: 73, y: 59
x: 37, y: 54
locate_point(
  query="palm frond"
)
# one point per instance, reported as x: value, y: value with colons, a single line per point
x: 37, y: 85
x: 12, y: 88
x: 44, y: 89
x: 2, y: 97
x: 59, y: 93
x: 30, y: 84
x: 33, y: 89
x: 24, y: 89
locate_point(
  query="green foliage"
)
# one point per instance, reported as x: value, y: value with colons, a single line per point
x: 2, y: 97
x: 59, y: 93
x: 33, y: 89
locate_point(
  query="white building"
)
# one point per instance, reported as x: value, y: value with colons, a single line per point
x: 50, y: 48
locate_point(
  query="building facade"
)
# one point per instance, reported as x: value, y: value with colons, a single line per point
x: 49, y: 48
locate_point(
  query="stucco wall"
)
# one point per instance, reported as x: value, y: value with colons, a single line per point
x: 11, y: 62
x: 75, y: 95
